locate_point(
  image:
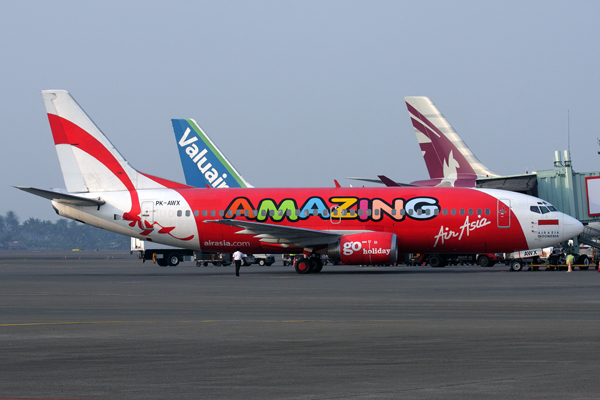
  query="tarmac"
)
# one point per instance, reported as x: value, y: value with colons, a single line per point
x: 104, y: 325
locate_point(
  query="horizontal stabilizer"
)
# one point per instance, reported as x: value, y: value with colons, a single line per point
x: 63, y: 197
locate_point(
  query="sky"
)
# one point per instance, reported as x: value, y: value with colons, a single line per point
x: 299, y: 93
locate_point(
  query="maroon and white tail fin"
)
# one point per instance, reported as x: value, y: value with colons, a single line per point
x: 446, y: 155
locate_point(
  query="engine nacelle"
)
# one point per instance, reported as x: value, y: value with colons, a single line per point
x: 365, y: 249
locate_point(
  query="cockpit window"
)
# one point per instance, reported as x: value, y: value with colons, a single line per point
x: 552, y: 208
x: 534, y: 209
x: 544, y: 210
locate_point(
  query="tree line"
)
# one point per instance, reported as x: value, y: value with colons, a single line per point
x: 62, y: 234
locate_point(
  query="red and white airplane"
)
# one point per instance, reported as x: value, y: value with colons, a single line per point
x: 353, y: 225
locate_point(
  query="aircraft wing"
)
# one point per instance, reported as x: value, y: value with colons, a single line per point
x: 63, y: 197
x: 284, y: 235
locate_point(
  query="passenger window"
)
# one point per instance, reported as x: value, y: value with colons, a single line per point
x: 410, y: 212
x: 394, y: 211
x: 344, y: 212
x: 403, y: 212
x: 369, y: 212
x: 479, y: 211
x: 288, y: 212
x: 360, y: 212
x: 462, y: 211
x: 487, y: 211
x: 212, y: 213
x: 271, y: 212
x: 377, y: 212
x: 427, y: 211
x: 326, y: 213
x: 203, y: 213
x: 221, y: 213
x: 453, y: 212
x: 238, y: 213
x: 534, y: 209
x: 246, y: 212
x: 187, y: 213
x: 263, y: 212
x: 470, y: 211
x: 436, y: 211
x: 315, y: 212
x: 445, y: 211
x: 179, y: 213
x: 353, y: 213
x: 306, y: 213
x: 229, y: 213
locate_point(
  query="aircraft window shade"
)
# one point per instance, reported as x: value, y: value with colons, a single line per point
x: 534, y: 209
x: 179, y: 213
x: 470, y: 211
x: 479, y: 211
x: 544, y: 210
x: 187, y: 213
x: 453, y: 212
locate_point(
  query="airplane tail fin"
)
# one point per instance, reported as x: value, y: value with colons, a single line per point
x: 447, y: 156
x: 89, y: 161
x: 202, y: 161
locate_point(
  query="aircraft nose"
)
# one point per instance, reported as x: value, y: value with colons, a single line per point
x: 571, y: 227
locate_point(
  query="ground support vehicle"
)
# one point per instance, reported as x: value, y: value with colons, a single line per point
x: 161, y: 254
x: 535, y: 259
x: 441, y: 260
x: 216, y: 259
x: 260, y: 259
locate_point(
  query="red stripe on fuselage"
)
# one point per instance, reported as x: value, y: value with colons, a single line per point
x: 548, y: 222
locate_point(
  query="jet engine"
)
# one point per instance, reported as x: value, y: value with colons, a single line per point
x: 368, y: 248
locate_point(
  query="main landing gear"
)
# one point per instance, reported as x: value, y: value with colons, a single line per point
x: 312, y: 264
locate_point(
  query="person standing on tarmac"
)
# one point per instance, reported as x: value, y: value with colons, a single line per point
x: 570, y: 259
x: 237, y: 258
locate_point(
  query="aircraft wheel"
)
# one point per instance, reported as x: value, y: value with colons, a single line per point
x: 261, y: 263
x: 483, y: 261
x: 301, y: 266
x: 316, y: 265
x: 516, y: 266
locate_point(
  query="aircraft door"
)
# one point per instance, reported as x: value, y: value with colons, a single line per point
x: 148, y: 211
x: 335, y: 215
x: 503, y: 213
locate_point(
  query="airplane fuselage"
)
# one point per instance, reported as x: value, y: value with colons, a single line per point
x: 440, y: 220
